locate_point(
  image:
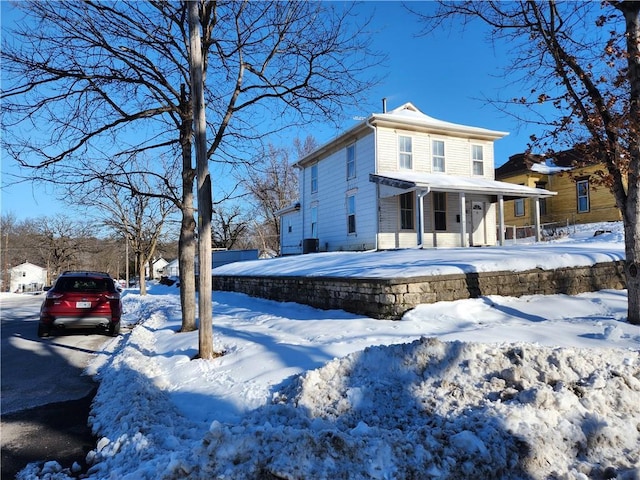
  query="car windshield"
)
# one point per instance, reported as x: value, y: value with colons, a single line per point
x: 84, y: 285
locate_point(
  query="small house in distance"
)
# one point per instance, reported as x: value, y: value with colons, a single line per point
x: 579, y: 199
x: 27, y: 277
x: 400, y: 179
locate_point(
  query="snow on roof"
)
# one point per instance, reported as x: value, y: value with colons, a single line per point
x: 452, y: 183
x: 408, y: 113
x: 548, y: 168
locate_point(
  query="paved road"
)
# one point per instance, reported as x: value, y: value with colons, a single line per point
x: 45, y: 395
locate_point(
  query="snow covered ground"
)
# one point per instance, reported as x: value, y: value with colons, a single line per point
x: 533, y: 388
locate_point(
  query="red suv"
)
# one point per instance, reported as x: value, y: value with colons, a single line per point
x: 81, y: 299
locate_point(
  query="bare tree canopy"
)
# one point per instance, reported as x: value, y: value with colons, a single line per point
x: 272, y: 184
x: 102, y: 82
x: 583, y: 60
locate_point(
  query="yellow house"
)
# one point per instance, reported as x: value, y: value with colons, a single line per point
x: 580, y: 197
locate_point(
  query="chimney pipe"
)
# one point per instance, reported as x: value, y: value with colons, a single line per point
x: 384, y: 105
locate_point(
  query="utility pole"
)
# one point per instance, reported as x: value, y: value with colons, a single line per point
x: 205, y: 307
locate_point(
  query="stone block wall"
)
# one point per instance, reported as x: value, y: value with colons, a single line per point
x: 391, y: 298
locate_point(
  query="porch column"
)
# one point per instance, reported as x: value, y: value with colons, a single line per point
x: 463, y: 220
x: 537, y: 219
x: 501, y: 218
x: 420, y: 212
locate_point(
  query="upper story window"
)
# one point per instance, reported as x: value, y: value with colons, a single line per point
x: 406, y: 152
x: 351, y: 161
x: 437, y: 155
x: 477, y: 159
x: 582, y: 191
x: 314, y: 178
x: 351, y: 214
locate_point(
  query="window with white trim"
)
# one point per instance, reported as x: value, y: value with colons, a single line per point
x: 406, y: 211
x: 440, y: 211
x: 351, y: 214
x: 477, y: 159
x: 351, y: 161
x: 314, y: 222
x: 437, y: 155
x: 518, y: 207
x: 314, y: 178
x: 582, y: 191
x: 405, y: 158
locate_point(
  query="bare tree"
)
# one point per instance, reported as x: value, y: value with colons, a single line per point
x: 140, y: 220
x: 272, y: 183
x: 62, y: 241
x: 101, y: 82
x: 583, y: 60
x: 229, y: 226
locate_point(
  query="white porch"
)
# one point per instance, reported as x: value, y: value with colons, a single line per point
x: 476, y: 198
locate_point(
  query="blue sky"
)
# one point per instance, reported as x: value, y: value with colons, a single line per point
x: 446, y: 75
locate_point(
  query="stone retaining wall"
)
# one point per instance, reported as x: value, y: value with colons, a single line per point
x: 391, y: 298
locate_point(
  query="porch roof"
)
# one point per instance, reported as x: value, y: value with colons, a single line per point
x: 401, y: 182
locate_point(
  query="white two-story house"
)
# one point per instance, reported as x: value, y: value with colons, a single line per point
x: 400, y: 179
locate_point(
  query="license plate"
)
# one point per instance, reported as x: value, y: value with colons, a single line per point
x: 83, y: 304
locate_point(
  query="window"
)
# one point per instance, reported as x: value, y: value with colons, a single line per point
x: 406, y: 211
x: 406, y: 155
x: 314, y: 222
x: 351, y: 214
x: 351, y: 161
x: 582, y: 190
x: 440, y: 211
x: 314, y: 178
x: 477, y: 158
x: 437, y: 154
x: 542, y: 201
x: 290, y: 227
x: 518, y: 205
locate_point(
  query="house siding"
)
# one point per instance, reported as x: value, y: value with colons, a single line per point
x: 331, y: 199
x: 562, y: 208
x: 27, y: 277
x: 376, y: 198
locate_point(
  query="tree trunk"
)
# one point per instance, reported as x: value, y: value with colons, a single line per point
x: 631, y: 214
x: 187, y: 240
x: 186, y: 261
x: 142, y: 263
x: 204, y: 186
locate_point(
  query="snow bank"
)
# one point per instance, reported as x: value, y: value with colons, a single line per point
x: 431, y: 409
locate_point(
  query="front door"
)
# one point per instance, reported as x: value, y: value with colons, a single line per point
x: 478, y: 234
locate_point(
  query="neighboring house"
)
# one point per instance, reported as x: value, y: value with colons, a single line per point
x: 579, y: 198
x: 400, y: 179
x: 158, y: 268
x: 27, y: 277
x: 172, y: 269
x: 218, y: 258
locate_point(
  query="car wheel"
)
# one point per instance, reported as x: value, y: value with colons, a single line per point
x: 43, y: 330
x: 114, y: 329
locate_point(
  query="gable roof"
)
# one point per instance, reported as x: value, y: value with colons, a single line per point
x: 407, y: 117
x: 29, y: 265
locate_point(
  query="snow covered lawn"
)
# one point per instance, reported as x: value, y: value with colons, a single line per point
x: 536, y: 387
